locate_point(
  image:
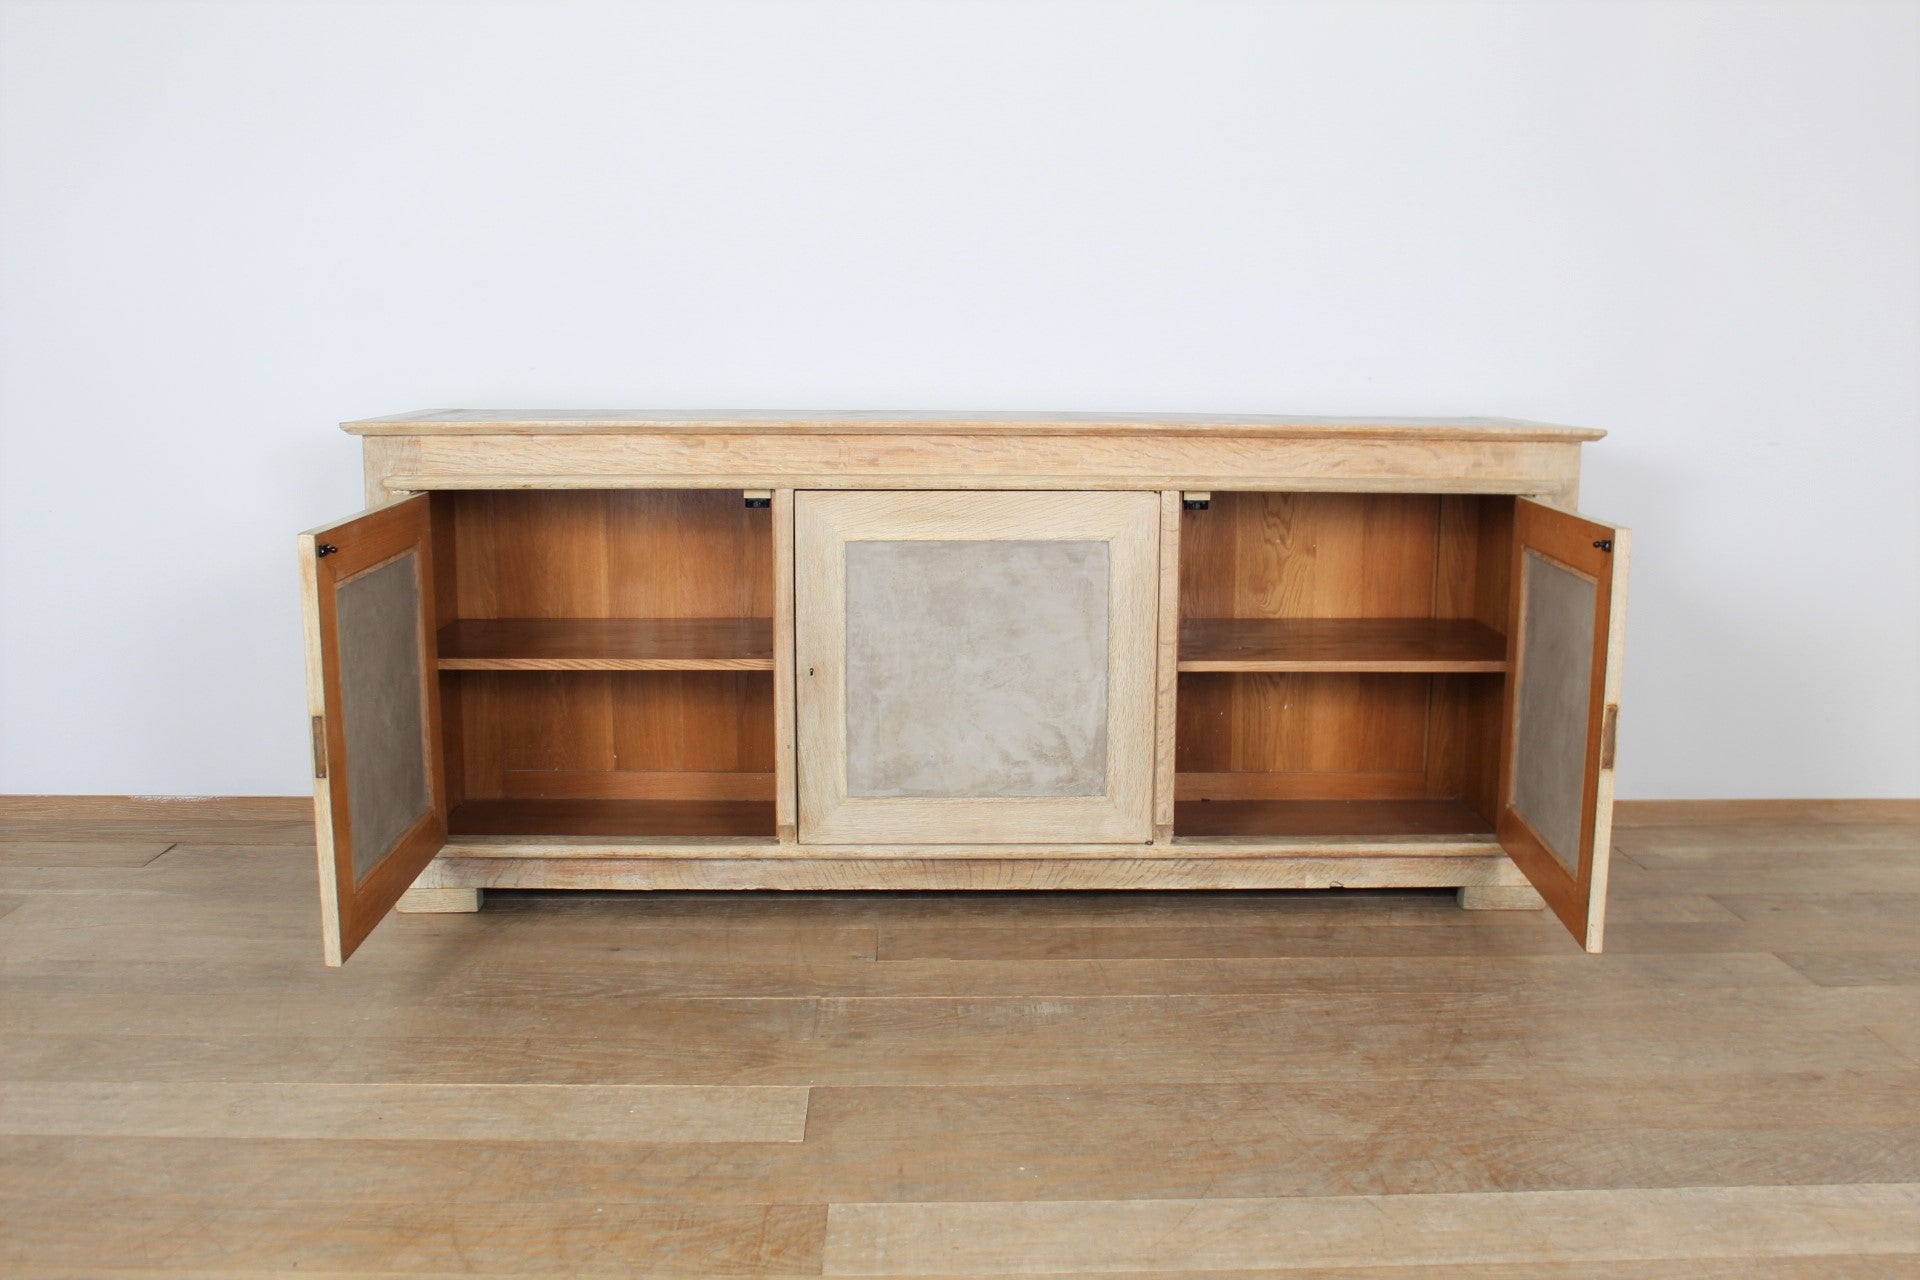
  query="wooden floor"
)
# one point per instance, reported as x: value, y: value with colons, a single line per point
x: 1302, y: 1085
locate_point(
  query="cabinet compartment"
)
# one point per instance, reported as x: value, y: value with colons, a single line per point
x: 1342, y: 664
x: 609, y: 753
x: 606, y: 662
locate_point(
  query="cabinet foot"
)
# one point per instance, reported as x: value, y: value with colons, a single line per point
x: 438, y: 901
x: 1488, y: 897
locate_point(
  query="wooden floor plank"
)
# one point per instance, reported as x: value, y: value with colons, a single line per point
x: 1000, y: 1040
x: 982, y: 1164
x: 577, y: 1113
x: 582, y: 1239
x: 1515, y: 934
x: 1808, y: 1267
x: 162, y: 829
x: 80, y: 853
x: 1856, y: 968
x: 749, y: 976
x: 1737, y: 814
x: 1332, y: 1231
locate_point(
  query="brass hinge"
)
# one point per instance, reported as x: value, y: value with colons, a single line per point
x: 319, y: 747
x: 1609, y: 731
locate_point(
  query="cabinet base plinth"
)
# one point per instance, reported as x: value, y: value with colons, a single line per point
x: 1520, y: 897
x: 419, y: 901
x: 1480, y: 871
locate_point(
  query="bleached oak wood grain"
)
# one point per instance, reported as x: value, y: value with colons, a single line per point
x: 1675, y: 1225
x: 399, y: 1112
x: 1546, y: 469
x: 1043, y: 871
x: 1128, y: 525
x: 420, y: 900
x: 1167, y: 674
x: 876, y: 422
x: 567, y: 735
x: 786, y: 776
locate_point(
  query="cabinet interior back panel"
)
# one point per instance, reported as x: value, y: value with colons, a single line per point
x: 1294, y: 723
x: 599, y: 729
x: 608, y: 553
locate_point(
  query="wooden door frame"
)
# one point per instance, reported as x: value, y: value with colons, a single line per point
x: 350, y: 908
x: 825, y: 521
x: 1598, y: 552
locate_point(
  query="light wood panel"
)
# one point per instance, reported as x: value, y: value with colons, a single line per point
x: 1123, y: 527
x: 80, y: 853
x: 887, y: 859
x: 785, y: 734
x: 1397, y: 862
x: 446, y: 601
x: 424, y: 901
x: 1167, y: 670
x: 1671, y: 1225
x: 204, y: 819
x: 402, y: 1112
x: 1821, y: 815
x: 1009, y: 461
x: 607, y: 644
x: 604, y: 421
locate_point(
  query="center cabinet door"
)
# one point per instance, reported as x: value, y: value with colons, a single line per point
x: 975, y: 668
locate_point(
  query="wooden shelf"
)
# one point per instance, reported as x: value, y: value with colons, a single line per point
x: 1327, y: 818
x: 612, y: 818
x: 607, y: 644
x: 1415, y: 645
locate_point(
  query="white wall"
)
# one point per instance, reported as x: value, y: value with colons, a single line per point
x: 226, y: 226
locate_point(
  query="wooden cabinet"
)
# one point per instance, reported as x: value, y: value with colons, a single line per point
x: 650, y: 651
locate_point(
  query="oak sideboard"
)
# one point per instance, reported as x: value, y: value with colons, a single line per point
x: 581, y: 650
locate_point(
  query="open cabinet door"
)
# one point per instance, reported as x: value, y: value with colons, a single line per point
x: 373, y: 691
x: 1562, y: 707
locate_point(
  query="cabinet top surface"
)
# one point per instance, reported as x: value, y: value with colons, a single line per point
x: 433, y: 422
